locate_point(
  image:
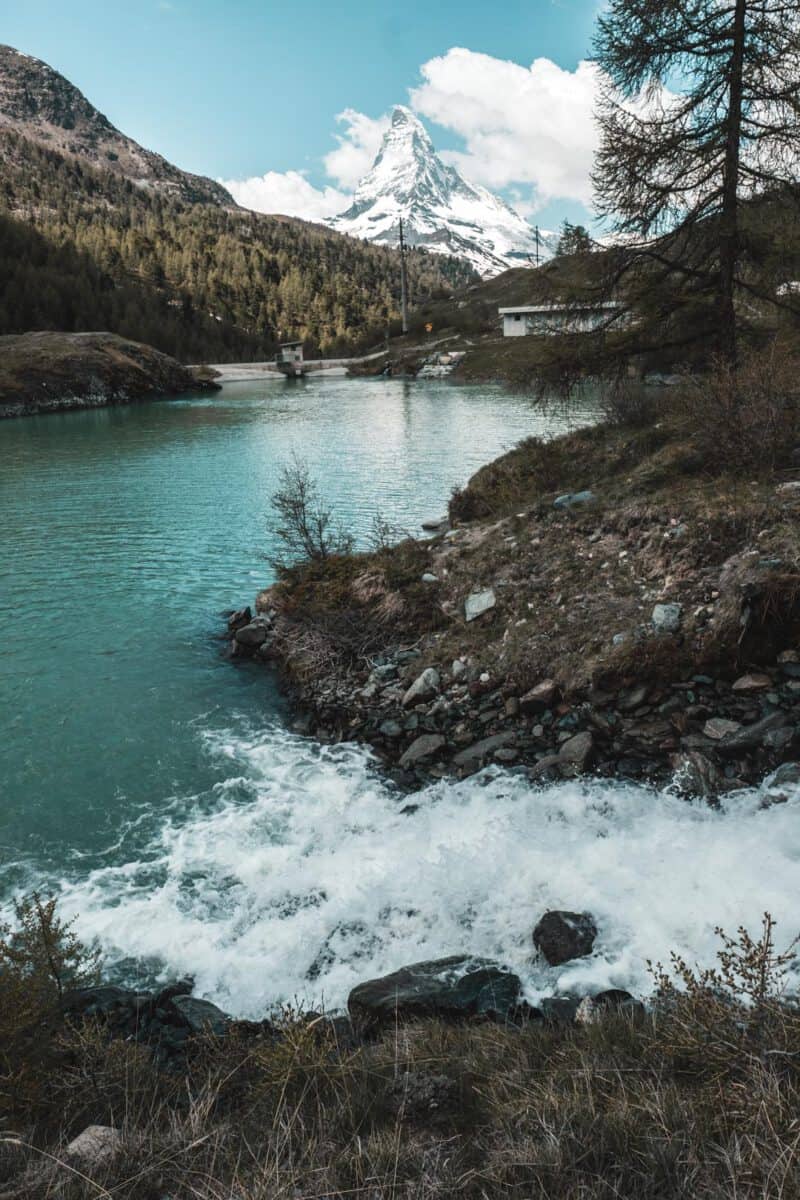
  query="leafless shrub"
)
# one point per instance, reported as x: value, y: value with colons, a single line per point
x: 626, y: 403
x: 304, y: 525
x: 745, y: 417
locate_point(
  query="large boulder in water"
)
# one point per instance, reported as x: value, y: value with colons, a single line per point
x: 455, y: 988
x: 561, y: 936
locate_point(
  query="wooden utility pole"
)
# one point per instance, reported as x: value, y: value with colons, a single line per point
x: 403, y: 280
x: 537, y: 237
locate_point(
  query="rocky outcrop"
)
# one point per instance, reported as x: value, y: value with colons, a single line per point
x: 49, y: 372
x: 38, y: 102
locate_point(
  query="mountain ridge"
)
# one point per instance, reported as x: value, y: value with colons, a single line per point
x: 42, y: 105
x: 440, y: 209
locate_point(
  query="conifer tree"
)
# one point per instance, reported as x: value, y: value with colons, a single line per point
x: 699, y: 113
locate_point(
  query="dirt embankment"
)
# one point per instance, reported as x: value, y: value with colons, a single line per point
x: 598, y: 603
x: 47, y: 372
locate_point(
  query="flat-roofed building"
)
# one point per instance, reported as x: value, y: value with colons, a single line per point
x: 576, y: 317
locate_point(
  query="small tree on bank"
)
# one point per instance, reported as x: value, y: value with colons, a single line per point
x: 699, y: 112
x: 304, y: 526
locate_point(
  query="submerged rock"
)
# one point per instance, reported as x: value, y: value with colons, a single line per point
x: 457, y: 988
x: 561, y: 936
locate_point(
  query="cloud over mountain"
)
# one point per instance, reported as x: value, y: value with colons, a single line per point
x: 526, y: 131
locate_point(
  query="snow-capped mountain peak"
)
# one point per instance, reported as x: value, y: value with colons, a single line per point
x: 439, y: 208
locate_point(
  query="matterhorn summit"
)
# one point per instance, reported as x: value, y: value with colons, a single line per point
x: 440, y: 210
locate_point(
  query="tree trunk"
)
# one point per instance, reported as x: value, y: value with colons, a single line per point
x: 729, y: 221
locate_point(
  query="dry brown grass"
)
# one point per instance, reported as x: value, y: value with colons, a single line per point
x: 699, y: 1099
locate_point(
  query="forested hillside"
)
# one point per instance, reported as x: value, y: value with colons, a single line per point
x: 82, y: 247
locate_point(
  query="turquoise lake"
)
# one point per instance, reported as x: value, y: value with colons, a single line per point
x: 155, y: 785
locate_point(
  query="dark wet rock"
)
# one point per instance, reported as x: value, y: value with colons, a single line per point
x: 425, y: 746
x: 631, y: 700
x: 753, y: 735
x: 239, y: 618
x: 475, y: 754
x: 455, y: 988
x: 200, y: 1016
x: 576, y: 754
x: 559, y: 1010
x: 561, y: 936
x: 697, y: 775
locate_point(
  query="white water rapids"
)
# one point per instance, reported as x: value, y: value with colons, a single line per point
x: 305, y: 876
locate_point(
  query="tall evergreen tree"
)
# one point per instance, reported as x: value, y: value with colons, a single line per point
x: 700, y: 112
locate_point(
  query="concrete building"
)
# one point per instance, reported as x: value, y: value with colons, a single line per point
x: 579, y: 317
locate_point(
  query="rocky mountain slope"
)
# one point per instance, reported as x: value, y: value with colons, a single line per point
x: 97, y: 233
x: 439, y: 208
x: 39, y: 103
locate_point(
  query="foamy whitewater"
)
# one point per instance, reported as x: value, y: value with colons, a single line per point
x: 305, y: 876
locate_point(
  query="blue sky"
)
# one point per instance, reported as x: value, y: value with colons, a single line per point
x: 244, y: 89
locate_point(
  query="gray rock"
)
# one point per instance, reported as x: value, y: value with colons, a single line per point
x: 576, y: 754
x: 201, y: 1016
x: 391, y: 729
x: 635, y: 698
x: 479, y: 603
x: 423, y: 747
x: 750, y: 736
x: 424, y: 687
x: 539, y: 698
x: 720, y: 727
x: 435, y: 524
x: 666, y: 618
x: 571, y: 499
x: 561, y: 936
x: 455, y: 988
x: 475, y: 753
x: 752, y: 683
x: 254, y: 634
x: 429, y: 577
x: 96, y: 1146
x: 458, y: 668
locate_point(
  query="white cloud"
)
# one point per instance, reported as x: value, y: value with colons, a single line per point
x: 521, y: 125
x: 289, y: 193
x: 357, y: 147
x: 527, y: 131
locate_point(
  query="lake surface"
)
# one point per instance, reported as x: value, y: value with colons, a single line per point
x: 155, y: 785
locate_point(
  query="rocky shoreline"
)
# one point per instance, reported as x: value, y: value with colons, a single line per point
x: 458, y: 988
x: 55, y: 372
x: 708, y: 735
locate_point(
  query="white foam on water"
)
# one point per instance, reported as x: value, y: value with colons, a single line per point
x: 306, y: 877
